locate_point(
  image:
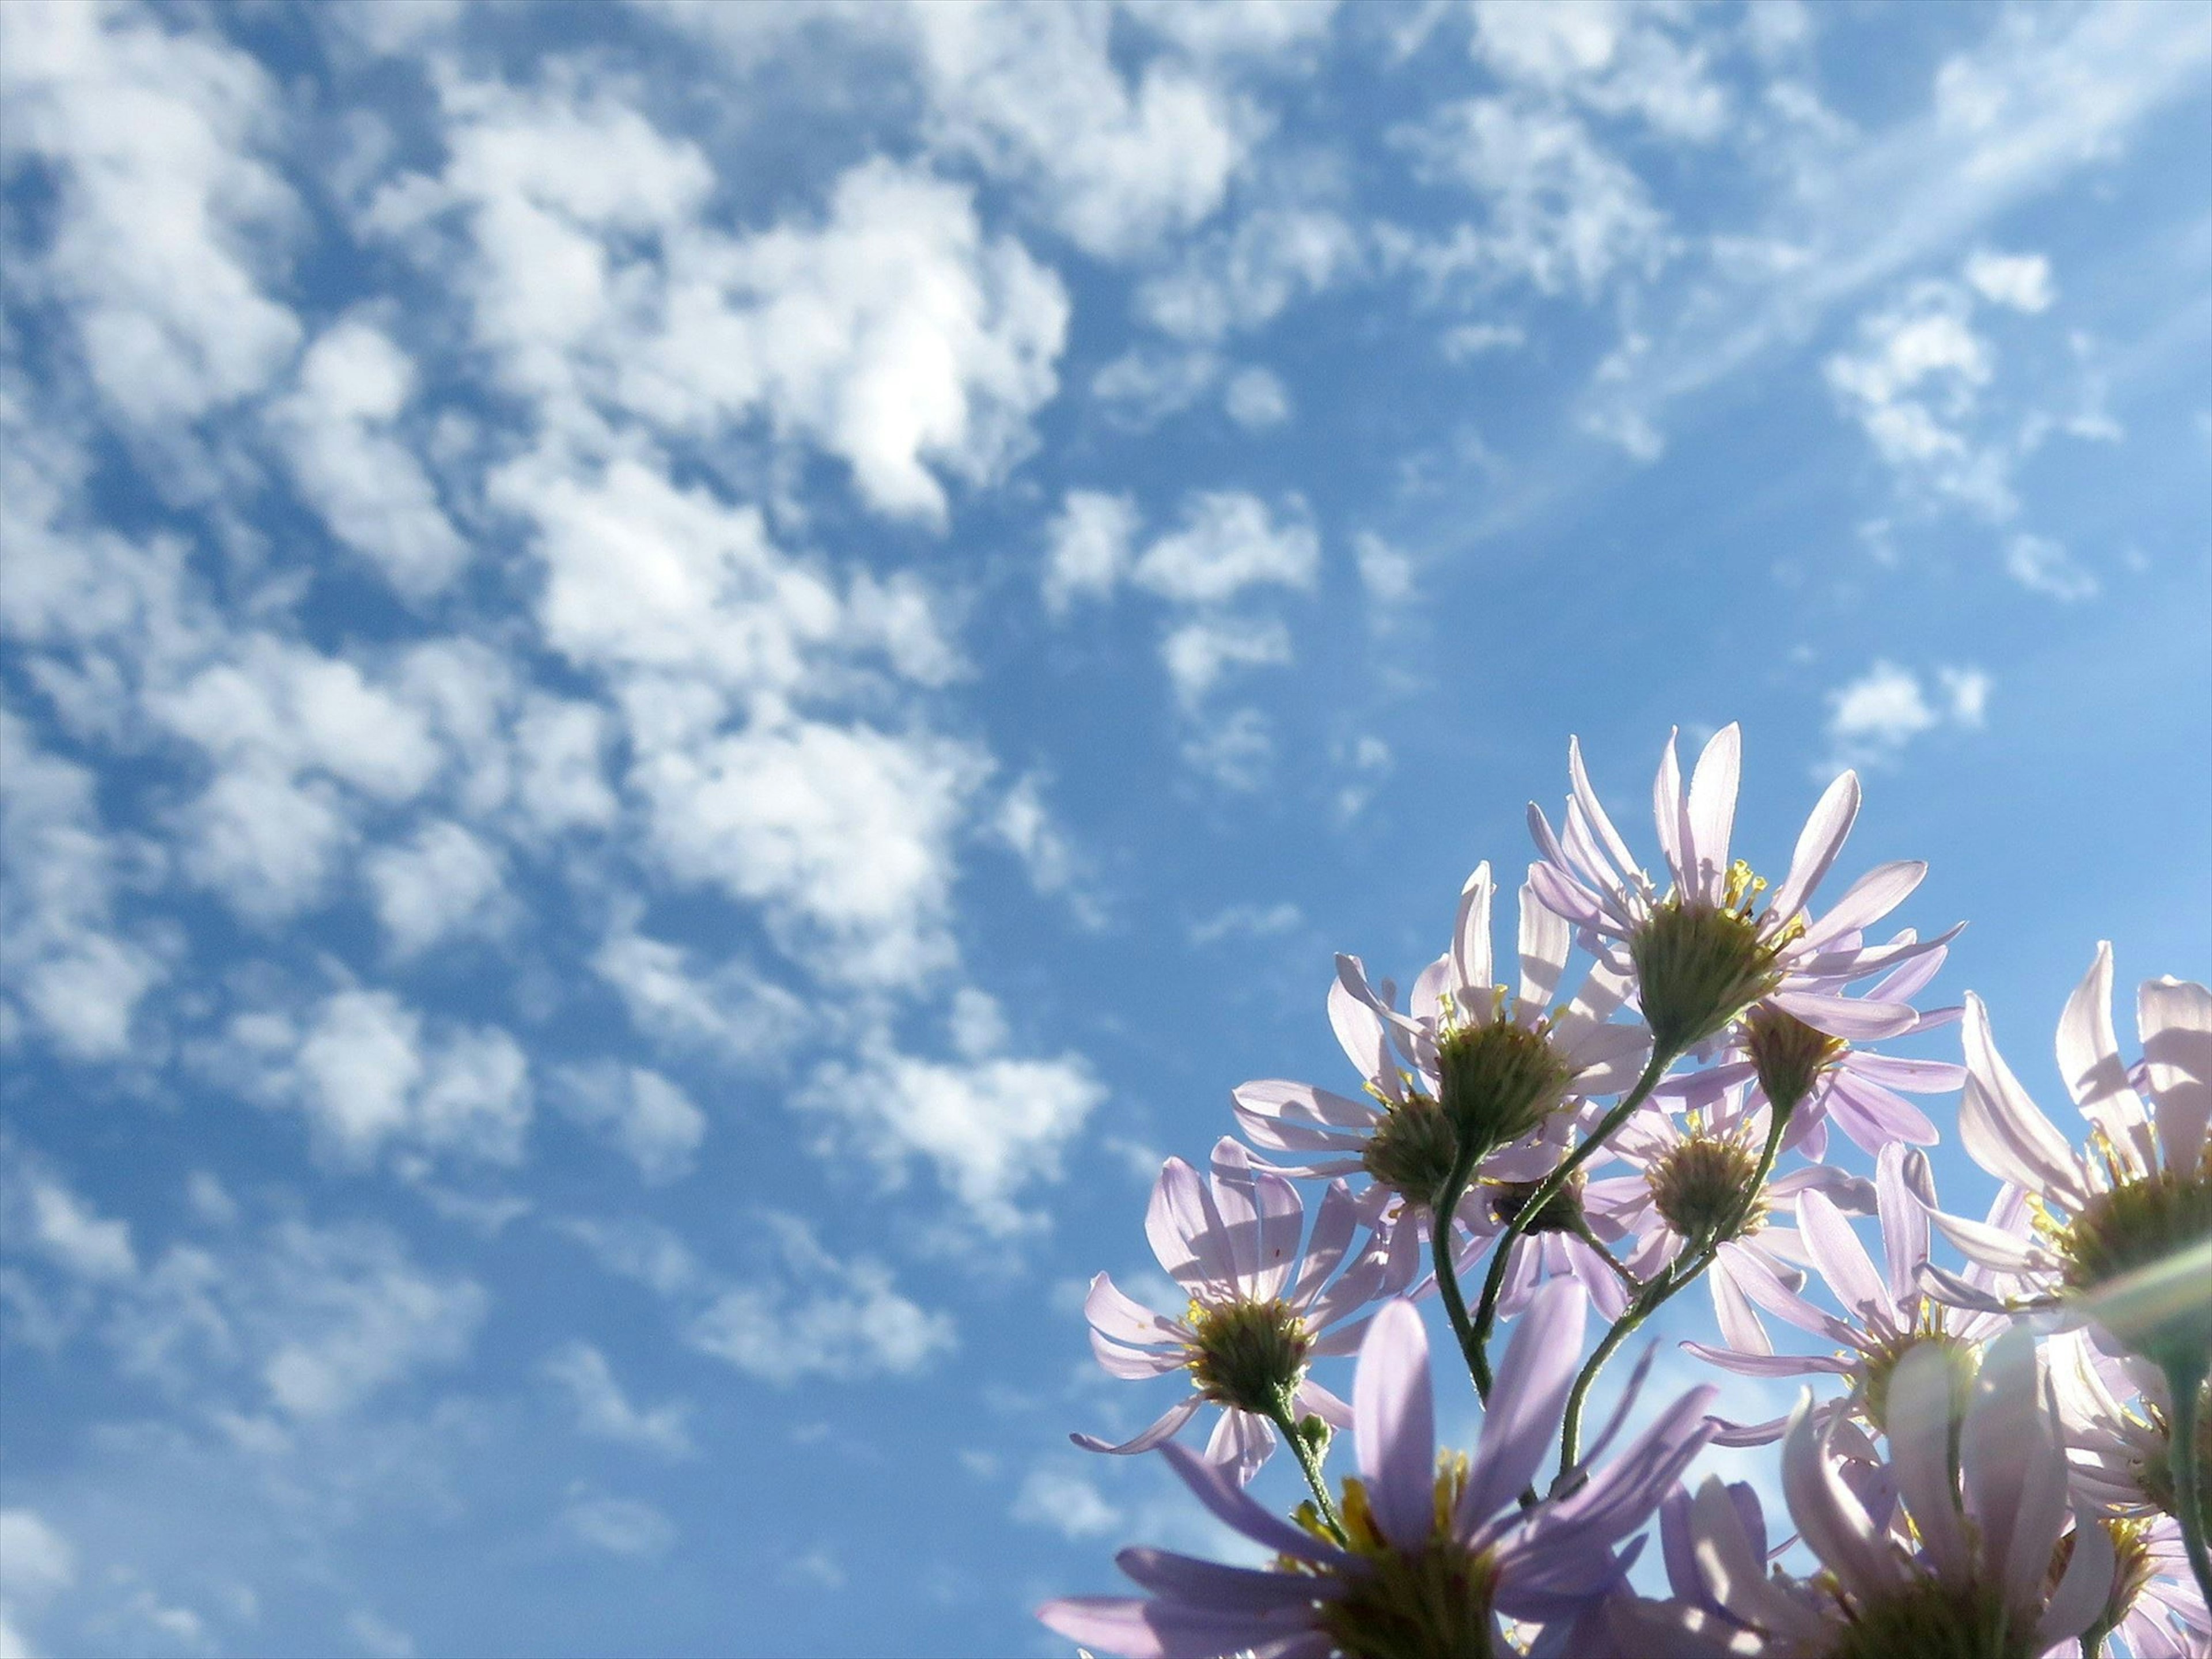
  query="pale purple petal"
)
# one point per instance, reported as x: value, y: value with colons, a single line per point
x: 1210, y: 1583
x: 1332, y: 1237
x: 1134, y: 1363
x: 1559, y: 893
x: 1818, y: 843
x: 1666, y: 814
x: 1311, y: 1399
x: 1471, y: 947
x: 1869, y: 899
x: 1394, y: 1426
x: 1616, y: 850
x: 1545, y: 942
x: 1184, y: 1230
x: 1842, y: 1259
x: 1280, y: 1097
x: 2002, y: 1128
x: 2007, y: 1458
x: 2175, y: 1018
x: 1917, y: 1077
x: 2089, y: 1052
x: 1526, y: 1401
x: 1906, y: 1192
x: 1118, y: 1624
x: 1228, y: 1503
x: 1360, y: 1031
x: 1126, y: 1319
x: 1732, y: 1311
x: 2085, y: 1589
x: 1874, y: 1118
x: 1770, y: 1364
x: 1829, y: 1517
x: 1237, y: 1205
x: 1712, y: 814
x: 1853, y: 1019
x: 1733, y: 1566
x: 1919, y: 1427
x: 1240, y: 1443
x: 1163, y: 1430
x: 1621, y: 1495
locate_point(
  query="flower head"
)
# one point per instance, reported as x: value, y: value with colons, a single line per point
x: 1972, y: 1573
x: 1887, y: 1313
x: 1259, y: 1313
x: 2138, y: 1197
x: 1704, y: 951
x: 1436, y: 1552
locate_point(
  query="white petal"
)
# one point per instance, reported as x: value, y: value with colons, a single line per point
x: 1919, y: 1429
x: 1711, y: 815
x: 2089, y: 1054
x: 2175, y: 1018
x: 1471, y: 949
x: 1545, y: 942
x: 2002, y: 1128
x: 1818, y: 843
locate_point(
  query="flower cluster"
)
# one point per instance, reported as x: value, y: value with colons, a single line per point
x: 2010, y: 1458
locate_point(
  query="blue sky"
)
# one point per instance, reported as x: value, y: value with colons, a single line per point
x: 680, y: 682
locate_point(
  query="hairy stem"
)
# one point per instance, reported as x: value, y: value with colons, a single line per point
x: 1310, y: 1466
x: 2187, y: 1383
x: 1656, y: 1295
x: 1486, y: 1314
x: 1445, y: 1205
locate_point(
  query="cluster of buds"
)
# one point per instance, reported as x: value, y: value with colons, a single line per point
x: 2002, y: 1460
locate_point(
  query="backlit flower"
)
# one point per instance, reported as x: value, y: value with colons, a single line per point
x: 1259, y: 1312
x: 1437, y: 1551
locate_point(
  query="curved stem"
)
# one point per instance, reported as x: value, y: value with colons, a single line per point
x: 2181, y: 1457
x: 1308, y: 1465
x: 1486, y: 1313
x: 1446, y: 1205
x: 1660, y: 1290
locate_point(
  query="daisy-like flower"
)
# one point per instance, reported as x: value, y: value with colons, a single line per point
x: 1691, y: 1184
x: 1472, y: 1060
x: 1972, y: 1573
x: 1887, y: 1312
x: 2119, y: 1456
x: 1823, y: 1078
x: 1258, y: 1314
x: 1435, y: 1551
x: 1703, y: 952
x: 2139, y: 1196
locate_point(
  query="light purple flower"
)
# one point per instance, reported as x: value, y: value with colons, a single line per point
x: 1455, y: 1534
x: 1972, y: 1573
x: 2127, y: 1200
x: 1887, y: 1313
x: 1259, y: 1312
x: 1399, y: 1134
x: 1701, y: 951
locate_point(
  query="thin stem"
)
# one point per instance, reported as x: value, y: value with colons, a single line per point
x: 1662, y: 1289
x: 1486, y: 1314
x: 2186, y: 1384
x: 1446, y: 1205
x: 1308, y: 1465
x: 1621, y: 1269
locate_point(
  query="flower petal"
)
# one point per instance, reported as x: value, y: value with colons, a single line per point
x: 1918, y: 1423
x: 1843, y: 1261
x: 1594, y: 811
x: 1905, y: 1193
x: 1711, y: 819
x: 2089, y: 1054
x: 2175, y: 1018
x: 1163, y: 1430
x: 1818, y: 843
x: 1393, y: 1425
x: 1830, y: 1518
x: 1526, y: 1401
x: 2084, y: 1591
x: 1869, y: 899
x: 1184, y: 1230
x: 2002, y: 1128
x: 1544, y: 941
x: 1471, y: 947
x: 1228, y: 1503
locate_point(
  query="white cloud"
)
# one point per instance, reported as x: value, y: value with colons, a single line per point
x: 1064, y: 1502
x: 1025, y: 823
x: 363, y: 1322
x: 1033, y: 92
x: 990, y: 1126
x: 820, y: 1318
x: 1256, y: 398
x: 1617, y: 59
x: 562, y: 745
x: 1087, y: 547
x: 442, y: 882
x: 339, y: 431
x: 1559, y: 209
x: 1235, y: 749
x: 1466, y: 340
x: 1385, y: 572
x: 1248, y: 921
x: 1228, y: 541
x: 621, y: 1526
x: 1239, y: 279
x: 36, y: 1563
x: 653, y: 1121
x: 2019, y: 280
x: 67, y: 965
x: 163, y: 211
x: 1200, y: 651
x: 605, y: 1411
x: 367, y: 1075
x: 2045, y: 566
x: 1872, y: 719
x: 729, y: 1011
x: 843, y: 834
x: 1915, y: 386
x: 77, y: 1237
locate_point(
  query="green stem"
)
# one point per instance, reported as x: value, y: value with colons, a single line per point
x: 1309, y: 1465
x: 2187, y: 1383
x: 1486, y: 1313
x: 1662, y: 1289
x: 1441, y: 1211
